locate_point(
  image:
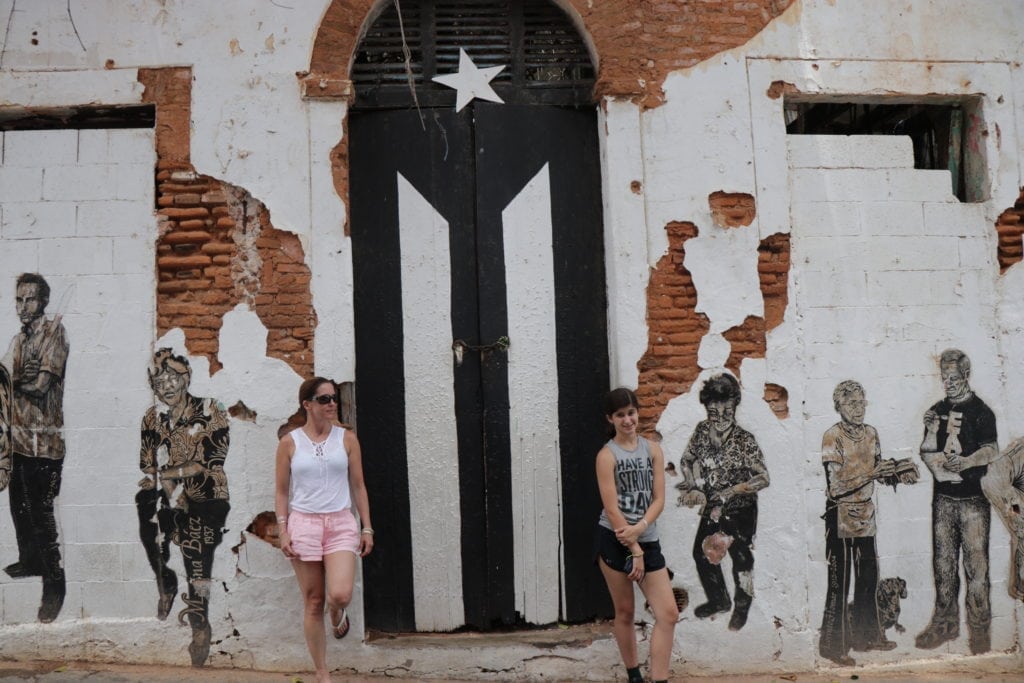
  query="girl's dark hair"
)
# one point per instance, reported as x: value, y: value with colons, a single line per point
x: 617, y: 399
x: 723, y: 387
x: 307, y: 390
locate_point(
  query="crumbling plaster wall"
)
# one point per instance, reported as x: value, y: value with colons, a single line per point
x: 245, y: 103
x: 722, y: 129
x: 715, y: 130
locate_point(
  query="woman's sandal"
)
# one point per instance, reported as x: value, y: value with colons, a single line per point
x: 341, y: 628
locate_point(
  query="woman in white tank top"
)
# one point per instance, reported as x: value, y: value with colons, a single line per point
x: 319, y: 476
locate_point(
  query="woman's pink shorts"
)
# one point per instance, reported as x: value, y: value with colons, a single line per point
x: 315, y: 534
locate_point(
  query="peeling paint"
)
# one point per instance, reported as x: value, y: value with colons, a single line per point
x: 1010, y: 231
x: 240, y: 411
x: 246, y: 263
x: 732, y: 209
x: 651, y: 42
x: 264, y: 527
x: 777, y: 398
x: 779, y: 88
x: 669, y: 366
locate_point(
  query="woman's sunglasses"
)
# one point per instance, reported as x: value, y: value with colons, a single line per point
x: 325, y: 399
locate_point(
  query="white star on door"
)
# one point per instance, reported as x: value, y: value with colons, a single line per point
x: 471, y: 82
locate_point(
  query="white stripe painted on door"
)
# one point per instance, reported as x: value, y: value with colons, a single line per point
x: 533, y: 400
x: 430, y: 437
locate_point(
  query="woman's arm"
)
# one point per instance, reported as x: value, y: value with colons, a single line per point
x: 282, y: 484
x: 357, y: 486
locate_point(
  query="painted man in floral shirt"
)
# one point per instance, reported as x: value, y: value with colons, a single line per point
x: 184, y: 495
x: 723, y: 469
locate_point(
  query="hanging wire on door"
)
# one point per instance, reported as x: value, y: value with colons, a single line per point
x: 407, y: 53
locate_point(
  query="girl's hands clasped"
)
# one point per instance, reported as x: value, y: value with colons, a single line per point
x: 630, y: 534
x: 635, y: 565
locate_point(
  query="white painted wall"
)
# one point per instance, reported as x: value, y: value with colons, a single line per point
x: 887, y: 270
x: 76, y: 206
x: 718, y: 130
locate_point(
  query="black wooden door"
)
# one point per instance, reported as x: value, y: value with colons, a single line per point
x: 468, y: 170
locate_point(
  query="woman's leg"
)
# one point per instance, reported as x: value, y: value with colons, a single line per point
x: 311, y: 583
x: 658, y: 590
x: 621, y: 589
x: 340, y: 570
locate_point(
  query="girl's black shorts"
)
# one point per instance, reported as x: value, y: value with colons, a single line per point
x: 618, y: 557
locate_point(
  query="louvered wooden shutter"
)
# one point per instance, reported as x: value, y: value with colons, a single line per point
x: 547, y: 61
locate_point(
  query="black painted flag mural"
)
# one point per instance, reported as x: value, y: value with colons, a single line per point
x: 481, y: 358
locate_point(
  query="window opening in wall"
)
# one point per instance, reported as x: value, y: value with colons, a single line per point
x: 940, y: 133
x: 56, y: 118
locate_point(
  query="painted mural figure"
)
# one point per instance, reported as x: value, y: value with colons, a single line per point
x: 852, y: 455
x: 959, y: 443
x: 1004, y: 487
x: 36, y: 362
x: 723, y: 469
x: 5, y: 428
x: 184, y: 496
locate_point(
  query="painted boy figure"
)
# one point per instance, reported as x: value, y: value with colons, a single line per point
x: 36, y: 360
x: 723, y: 468
x: 959, y: 443
x: 852, y: 456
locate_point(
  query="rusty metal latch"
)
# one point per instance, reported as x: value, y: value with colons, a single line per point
x: 459, y: 347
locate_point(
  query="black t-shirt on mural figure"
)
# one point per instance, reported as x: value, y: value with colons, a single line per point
x: 963, y: 429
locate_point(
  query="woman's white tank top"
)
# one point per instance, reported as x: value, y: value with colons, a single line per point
x: 319, y: 481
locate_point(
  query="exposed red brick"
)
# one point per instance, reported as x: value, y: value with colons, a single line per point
x: 1010, y: 228
x: 170, y: 89
x: 187, y: 213
x: 773, y: 262
x: 182, y: 262
x: 669, y: 366
x: 731, y: 209
x: 185, y: 237
x: 750, y: 339
x: 202, y: 270
x: 747, y: 340
x: 638, y: 41
x: 777, y: 397
x: 779, y: 88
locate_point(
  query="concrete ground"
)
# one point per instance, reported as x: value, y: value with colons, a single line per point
x: 75, y: 672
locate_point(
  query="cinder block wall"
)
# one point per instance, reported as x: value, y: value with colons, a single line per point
x: 792, y: 262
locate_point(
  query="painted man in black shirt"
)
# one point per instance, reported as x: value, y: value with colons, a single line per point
x: 959, y: 443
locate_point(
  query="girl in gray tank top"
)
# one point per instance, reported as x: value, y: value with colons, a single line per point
x: 634, y: 483
x: 631, y: 480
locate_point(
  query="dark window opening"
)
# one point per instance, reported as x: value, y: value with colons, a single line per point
x: 939, y: 133
x: 62, y: 118
x: 546, y: 60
